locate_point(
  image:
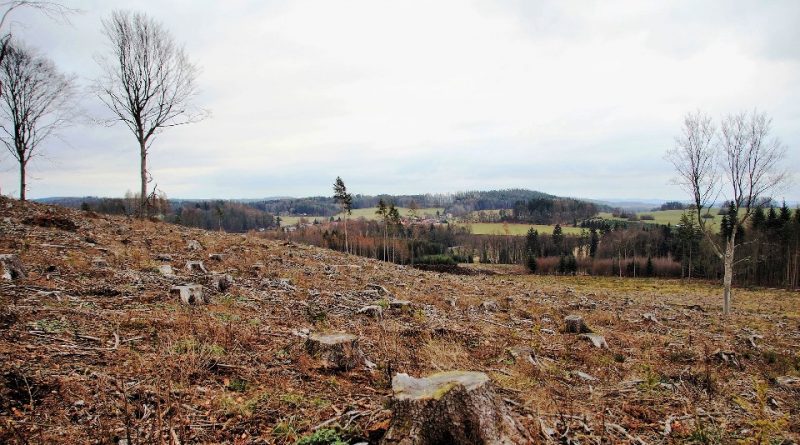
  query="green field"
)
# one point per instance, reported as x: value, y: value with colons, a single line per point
x: 516, y: 229
x: 660, y: 217
x: 367, y: 213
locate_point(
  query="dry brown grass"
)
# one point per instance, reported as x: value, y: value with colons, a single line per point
x: 233, y: 371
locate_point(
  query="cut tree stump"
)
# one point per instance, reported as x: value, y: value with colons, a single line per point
x: 220, y: 281
x: 597, y: 340
x: 381, y: 290
x: 490, y: 306
x: 216, y: 256
x: 450, y: 407
x: 99, y: 262
x: 166, y: 270
x: 372, y: 310
x: 195, y: 267
x: 574, y: 325
x: 11, y: 267
x: 337, y: 351
x: 190, y: 294
x: 399, y: 304
x: 194, y: 245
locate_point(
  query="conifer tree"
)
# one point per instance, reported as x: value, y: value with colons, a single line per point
x: 345, y: 201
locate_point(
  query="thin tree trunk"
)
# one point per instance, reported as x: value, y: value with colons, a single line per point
x: 346, y: 246
x: 22, y: 180
x: 143, y: 173
x: 727, y: 278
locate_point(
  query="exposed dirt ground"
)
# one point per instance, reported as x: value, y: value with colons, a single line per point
x: 94, y: 349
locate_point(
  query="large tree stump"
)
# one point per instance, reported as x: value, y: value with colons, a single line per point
x: 450, y: 407
x: 11, y: 267
x: 337, y: 351
x: 573, y: 324
x: 220, y: 282
x: 597, y: 340
x: 196, y: 267
x: 191, y: 294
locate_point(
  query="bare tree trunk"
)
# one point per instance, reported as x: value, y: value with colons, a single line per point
x: 143, y: 172
x: 22, y: 180
x: 727, y: 278
x: 346, y: 246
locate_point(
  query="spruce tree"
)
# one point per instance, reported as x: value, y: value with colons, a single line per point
x: 531, y: 262
x: 345, y: 201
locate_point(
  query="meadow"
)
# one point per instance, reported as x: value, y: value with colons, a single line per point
x: 366, y: 213
x: 662, y: 217
x: 517, y: 229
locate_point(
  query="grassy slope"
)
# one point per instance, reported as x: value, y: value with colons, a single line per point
x: 661, y: 217
x: 517, y: 229
x: 234, y: 371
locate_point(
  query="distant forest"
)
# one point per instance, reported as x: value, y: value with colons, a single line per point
x: 541, y: 206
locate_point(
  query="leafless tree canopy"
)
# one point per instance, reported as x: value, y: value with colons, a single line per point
x: 148, y: 80
x: 741, y: 161
x: 36, y: 102
x: 751, y: 160
x: 694, y: 158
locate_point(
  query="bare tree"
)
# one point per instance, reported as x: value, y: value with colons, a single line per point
x: 148, y: 82
x: 36, y: 102
x: 54, y: 10
x: 741, y: 161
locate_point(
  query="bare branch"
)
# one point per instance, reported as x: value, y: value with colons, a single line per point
x: 35, y: 103
x: 148, y: 82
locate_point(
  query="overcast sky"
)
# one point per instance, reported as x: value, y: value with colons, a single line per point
x: 571, y: 98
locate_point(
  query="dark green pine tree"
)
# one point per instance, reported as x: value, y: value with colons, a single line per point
x: 594, y: 242
x: 785, y: 214
x: 345, y: 201
x: 759, y: 219
x: 532, y: 241
x: 558, y: 238
x: 531, y: 262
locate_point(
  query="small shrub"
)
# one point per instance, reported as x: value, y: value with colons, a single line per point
x: 763, y: 428
x: 237, y: 385
x: 323, y: 436
x: 436, y: 260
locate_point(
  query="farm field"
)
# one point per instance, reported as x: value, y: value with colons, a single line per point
x: 517, y: 229
x: 366, y: 213
x: 660, y: 217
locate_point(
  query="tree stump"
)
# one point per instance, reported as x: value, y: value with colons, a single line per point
x: 337, y: 351
x: 372, y: 310
x: 220, y: 281
x: 597, y: 340
x: 490, y: 306
x: 99, y: 262
x: 190, y: 294
x: 216, y: 256
x: 399, y: 304
x: 649, y: 317
x: 450, y: 407
x: 382, y: 291
x: 11, y: 267
x: 574, y: 325
x: 194, y: 245
x: 166, y: 270
x: 196, y: 267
